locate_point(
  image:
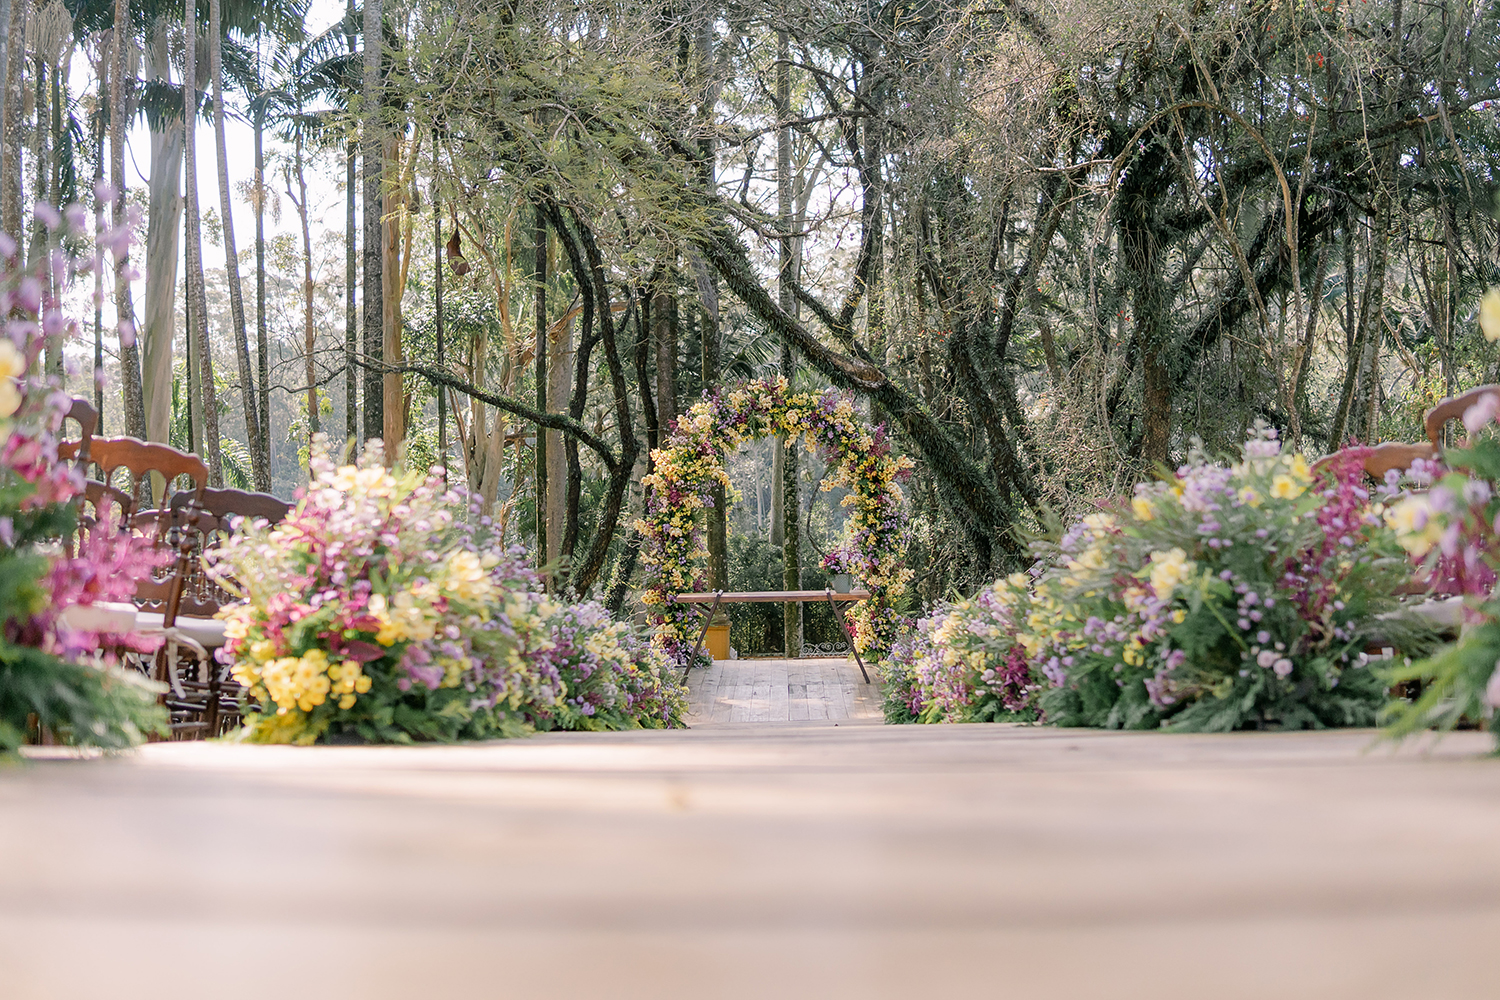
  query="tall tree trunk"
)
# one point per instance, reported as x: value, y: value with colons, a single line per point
x: 374, y: 238
x: 259, y: 471
x: 791, y: 529
x: 393, y: 385
x: 42, y: 157
x: 1297, y: 391
x: 559, y: 388
x: 309, y: 339
x: 10, y: 178
x: 351, y: 268
x: 708, y: 295
x: 194, y: 405
x: 262, y: 336
x: 437, y: 305
x: 539, y: 276
x: 99, y: 213
x: 162, y: 227
x: 130, y: 357
x: 195, y: 289
x: 5, y: 12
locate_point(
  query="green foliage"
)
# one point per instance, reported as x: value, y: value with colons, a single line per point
x: 1452, y: 528
x: 80, y: 703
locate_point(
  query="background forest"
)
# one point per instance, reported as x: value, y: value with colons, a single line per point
x: 1051, y: 243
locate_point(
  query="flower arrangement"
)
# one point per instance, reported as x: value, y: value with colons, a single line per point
x: 1225, y: 597
x: 1452, y: 532
x: 692, y: 461
x: 963, y: 663
x: 609, y: 676
x: 372, y: 613
x: 51, y: 672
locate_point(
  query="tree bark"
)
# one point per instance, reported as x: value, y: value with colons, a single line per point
x: 539, y: 356
x: 791, y: 539
x: 708, y: 294
x: 351, y: 268
x: 393, y: 387
x: 162, y: 227
x: 262, y: 336
x: 559, y: 388
x: 374, y: 239
x: 5, y: 13
x: 10, y: 178
x: 260, y: 471
x: 196, y: 289
x: 130, y: 358
x: 309, y: 335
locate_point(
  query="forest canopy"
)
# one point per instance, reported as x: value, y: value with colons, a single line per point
x: 1054, y: 246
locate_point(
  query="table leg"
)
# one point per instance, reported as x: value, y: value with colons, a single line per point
x: 844, y: 624
x: 703, y: 634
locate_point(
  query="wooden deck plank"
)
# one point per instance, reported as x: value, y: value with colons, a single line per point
x: 724, y: 692
x: 760, y: 689
x: 781, y: 690
x: 780, y: 708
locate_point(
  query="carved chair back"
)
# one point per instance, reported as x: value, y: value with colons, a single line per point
x: 127, y: 465
x: 218, y: 513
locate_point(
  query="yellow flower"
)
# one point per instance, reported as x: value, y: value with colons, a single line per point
x: 1143, y: 509
x: 10, y: 397
x: 1417, y: 530
x: 1179, y: 616
x: 1168, y: 569
x: 1489, y: 315
x: 1300, y: 469
x: 12, y: 361
x: 1284, y: 487
x: 1250, y: 497
x: 1099, y: 525
x: 467, y: 579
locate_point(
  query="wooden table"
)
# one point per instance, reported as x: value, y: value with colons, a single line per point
x: 718, y: 597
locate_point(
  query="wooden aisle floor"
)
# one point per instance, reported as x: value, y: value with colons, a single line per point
x: 740, y: 862
x: 810, y: 689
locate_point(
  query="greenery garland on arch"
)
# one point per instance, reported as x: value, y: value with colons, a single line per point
x: 692, y: 461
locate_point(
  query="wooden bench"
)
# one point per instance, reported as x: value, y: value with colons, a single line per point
x: 718, y: 597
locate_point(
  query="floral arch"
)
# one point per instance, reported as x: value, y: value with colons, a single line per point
x: 692, y: 461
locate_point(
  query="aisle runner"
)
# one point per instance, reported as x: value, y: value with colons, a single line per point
x: 782, y: 691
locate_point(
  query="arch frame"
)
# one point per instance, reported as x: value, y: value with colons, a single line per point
x: 685, y: 469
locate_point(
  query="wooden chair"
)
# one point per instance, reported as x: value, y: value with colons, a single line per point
x: 82, y: 413
x: 1454, y: 407
x: 143, y: 468
x: 1381, y: 458
x: 126, y: 468
x: 201, y: 527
